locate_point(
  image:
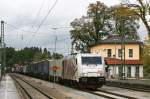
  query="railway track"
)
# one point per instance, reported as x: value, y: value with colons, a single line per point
x: 29, y: 91
x: 135, y: 87
x: 101, y: 93
x: 106, y: 94
x: 116, y: 95
x: 109, y: 95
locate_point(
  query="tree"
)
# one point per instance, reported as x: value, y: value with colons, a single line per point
x: 10, y: 52
x: 142, y: 9
x: 125, y: 23
x: 26, y: 55
x: 46, y: 54
x: 82, y: 34
x: 100, y: 15
x: 57, y: 56
x: 146, y: 57
x: 99, y: 23
x: 37, y: 56
x: 91, y: 28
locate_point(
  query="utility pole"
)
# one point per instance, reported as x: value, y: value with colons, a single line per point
x: 54, y: 54
x: 55, y: 38
x: 55, y: 43
x: 121, y: 12
x: 2, y: 51
x: 121, y: 69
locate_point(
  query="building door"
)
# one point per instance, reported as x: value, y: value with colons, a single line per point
x: 129, y: 71
x: 137, y: 72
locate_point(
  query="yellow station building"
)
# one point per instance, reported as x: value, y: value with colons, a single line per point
x: 110, y: 49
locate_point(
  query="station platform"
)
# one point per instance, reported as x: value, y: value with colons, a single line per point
x: 8, y: 89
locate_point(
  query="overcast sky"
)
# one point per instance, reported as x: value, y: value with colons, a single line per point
x: 22, y: 14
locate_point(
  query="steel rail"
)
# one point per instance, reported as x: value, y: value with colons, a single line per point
x: 129, y: 87
x: 116, y: 94
x: 26, y: 92
x: 94, y: 92
x: 13, y: 76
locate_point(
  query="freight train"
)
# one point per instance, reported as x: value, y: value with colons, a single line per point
x: 84, y: 70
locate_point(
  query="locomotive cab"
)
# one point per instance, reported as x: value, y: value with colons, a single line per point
x: 91, y: 70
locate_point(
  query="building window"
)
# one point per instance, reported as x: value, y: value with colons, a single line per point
x: 109, y: 52
x: 119, y: 52
x: 136, y: 71
x: 130, y: 52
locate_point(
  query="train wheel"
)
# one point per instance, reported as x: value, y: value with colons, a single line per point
x: 94, y: 88
x: 80, y: 86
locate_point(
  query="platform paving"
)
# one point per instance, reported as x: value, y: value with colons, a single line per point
x: 8, y: 89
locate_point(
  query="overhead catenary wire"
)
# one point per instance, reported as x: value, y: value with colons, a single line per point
x: 27, y: 31
x: 35, y: 32
x: 38, y: 13
x: 42, y: 22
x: 57, y: 28
x: 22, y: 30
x: 15, y: 27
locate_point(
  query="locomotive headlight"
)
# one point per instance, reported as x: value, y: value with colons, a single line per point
x: 85, y: 74
x: 98, y: 74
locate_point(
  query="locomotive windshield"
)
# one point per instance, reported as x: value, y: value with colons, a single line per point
x: 91, y: 60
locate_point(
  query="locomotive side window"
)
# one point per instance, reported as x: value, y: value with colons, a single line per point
x: 91, y: 60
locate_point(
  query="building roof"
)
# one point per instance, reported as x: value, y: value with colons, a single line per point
x: 116, y: 39
x: 113, y: 61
